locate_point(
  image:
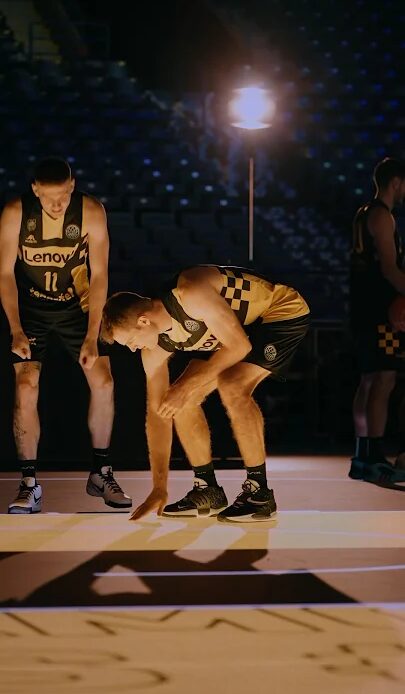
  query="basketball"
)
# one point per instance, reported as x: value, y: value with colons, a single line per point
x: 396, y: 313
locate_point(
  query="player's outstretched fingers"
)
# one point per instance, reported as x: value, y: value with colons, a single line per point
x: 156, y: 501
x: 139, y: 512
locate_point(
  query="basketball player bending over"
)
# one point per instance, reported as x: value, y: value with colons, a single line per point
x: 252, y: 327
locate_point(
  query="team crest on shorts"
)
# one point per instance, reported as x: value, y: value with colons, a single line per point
x: 270, y: 352
x: 192, y: 325
x: 31, y: 224
x: 72, y: 231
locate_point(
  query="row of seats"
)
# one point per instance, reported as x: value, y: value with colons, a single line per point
x: 167, y: 206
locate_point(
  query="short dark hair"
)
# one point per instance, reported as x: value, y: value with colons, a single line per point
x: 386, y: 170
x: 120, y: 307
x: 52, y: 170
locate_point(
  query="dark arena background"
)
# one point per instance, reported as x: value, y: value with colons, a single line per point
x: 135, y: 95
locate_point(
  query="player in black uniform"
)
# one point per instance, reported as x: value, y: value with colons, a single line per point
x: 251, y: 327
x: 377, y: 277
x: 49, y: 237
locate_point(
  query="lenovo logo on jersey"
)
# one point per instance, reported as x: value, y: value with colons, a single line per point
x: 52, y: 256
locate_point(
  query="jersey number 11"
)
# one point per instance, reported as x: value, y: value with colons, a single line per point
x: 51, y: 279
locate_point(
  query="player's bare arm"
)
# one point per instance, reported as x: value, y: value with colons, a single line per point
x: 10, y: 223
x: 95, y: 224
x: 200, y: 298
x: 159, y: 430
x: 382, y: 225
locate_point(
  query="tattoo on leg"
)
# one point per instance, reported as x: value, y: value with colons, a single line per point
x: 19, y: 433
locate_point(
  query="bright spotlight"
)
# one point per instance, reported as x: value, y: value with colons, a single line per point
x: 252, y: 107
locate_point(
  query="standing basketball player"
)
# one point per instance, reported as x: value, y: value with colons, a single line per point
x: 48, y: 237
x: 377, y: 277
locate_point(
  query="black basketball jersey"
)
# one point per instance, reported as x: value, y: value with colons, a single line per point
x: 250, y: 296
x: 370, y: 292
x: 51, y: 267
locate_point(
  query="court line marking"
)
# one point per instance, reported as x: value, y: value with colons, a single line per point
x: 264, y: 528
x: 148, y: 478
x: 224, y: 607
x: 259, y: 572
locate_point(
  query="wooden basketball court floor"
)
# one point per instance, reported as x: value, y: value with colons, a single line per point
x: 311, y: 602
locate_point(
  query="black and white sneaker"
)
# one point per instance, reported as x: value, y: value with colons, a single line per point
x: 360, y: 469
x: 28, y: 499
x: 201, y: 500
x: 254, y: 503
x: 384, y: 474
x: 400, y: 461
x: 103, y: 484
x: 356, y: 471
x: 379, y: 471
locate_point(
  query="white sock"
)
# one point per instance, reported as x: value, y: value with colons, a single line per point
x: 29, y: 481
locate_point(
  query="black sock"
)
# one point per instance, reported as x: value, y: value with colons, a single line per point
x: 258, y: 474
x: 206, y: 473
x: 27, y: 468
x: 375, y: 451
x: 100, y: 459
x: 362, y: 446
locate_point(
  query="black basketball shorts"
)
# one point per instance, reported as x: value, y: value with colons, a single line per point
x: 379, y: 348
x: 274, y: 344
x: 69, y: 324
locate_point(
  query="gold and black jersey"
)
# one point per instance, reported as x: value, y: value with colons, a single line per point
x: 370, y: 292
x: 51, y: 267
x: 251, y: 297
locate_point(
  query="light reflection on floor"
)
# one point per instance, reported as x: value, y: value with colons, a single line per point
x: 314, y: 601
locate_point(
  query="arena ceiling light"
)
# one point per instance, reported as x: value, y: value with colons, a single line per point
x: 251, y: 109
